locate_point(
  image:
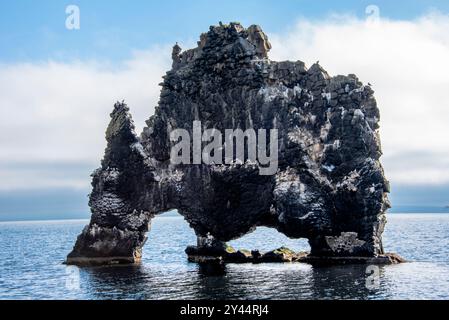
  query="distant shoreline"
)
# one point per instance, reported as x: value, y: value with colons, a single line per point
x: 173, y: 215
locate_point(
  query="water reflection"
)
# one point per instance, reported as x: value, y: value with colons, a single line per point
x: 208, y: 269
x: 116, y: 282
x: 342, y: 282
x: 234, y: 281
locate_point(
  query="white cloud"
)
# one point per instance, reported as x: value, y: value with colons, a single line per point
x: 408, y: 64
x: 56, y: 113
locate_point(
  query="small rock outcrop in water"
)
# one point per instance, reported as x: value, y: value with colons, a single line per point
x: 228, y: 254
x: 329, y: 187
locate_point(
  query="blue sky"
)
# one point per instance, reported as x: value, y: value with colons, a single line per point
x: 58, y: 86
x: 35, y: 30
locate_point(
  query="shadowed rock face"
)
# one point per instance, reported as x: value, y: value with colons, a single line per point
x: 329, y: 187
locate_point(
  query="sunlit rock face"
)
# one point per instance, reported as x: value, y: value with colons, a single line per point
x: 329, y: 186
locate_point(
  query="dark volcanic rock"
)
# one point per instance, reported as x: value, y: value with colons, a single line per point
x: 228, y: 254
x: 382, y: 259
x: 279, y: 255
x: 329, y: 187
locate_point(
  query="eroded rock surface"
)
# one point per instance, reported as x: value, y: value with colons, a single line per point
x: 329, y: 187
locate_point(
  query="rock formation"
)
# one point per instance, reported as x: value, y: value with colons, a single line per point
x: 329, y: 187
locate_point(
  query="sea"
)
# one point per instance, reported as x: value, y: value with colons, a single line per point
x: 32, y: 255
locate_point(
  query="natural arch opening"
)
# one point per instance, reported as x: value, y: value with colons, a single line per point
x: 262, y: 245
x: 167, y: 239
x: 170, y: 234
x: 268, y: 239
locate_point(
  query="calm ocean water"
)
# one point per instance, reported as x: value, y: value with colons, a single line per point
x: 31, y: 255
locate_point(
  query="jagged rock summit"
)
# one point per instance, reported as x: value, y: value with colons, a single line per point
x: 329, y: 186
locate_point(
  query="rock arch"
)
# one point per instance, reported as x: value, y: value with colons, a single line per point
x: 329, y: 188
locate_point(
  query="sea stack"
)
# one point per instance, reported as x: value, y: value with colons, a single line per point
x: 329, y: 186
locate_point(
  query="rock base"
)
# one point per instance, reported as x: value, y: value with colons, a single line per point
x: 283, y: 255
x: 229, y: 254
x: 100, y: 261
x: 385, y: 259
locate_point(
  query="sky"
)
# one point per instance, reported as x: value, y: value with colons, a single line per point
x: 58, y: 86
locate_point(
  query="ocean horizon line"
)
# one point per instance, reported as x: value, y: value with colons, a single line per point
x: 176, y: 215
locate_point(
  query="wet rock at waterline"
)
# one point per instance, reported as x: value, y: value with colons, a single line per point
x: 283, y: 255
x: 328, y: 185
x: 201, y: 255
